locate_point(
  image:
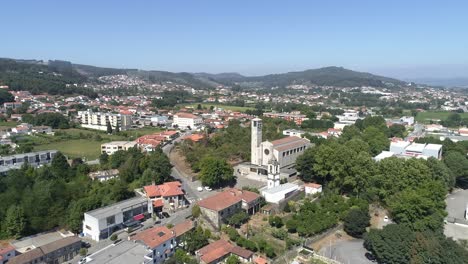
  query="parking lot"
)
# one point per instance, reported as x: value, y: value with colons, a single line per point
x: 456, y: 206
x: 347, y: 251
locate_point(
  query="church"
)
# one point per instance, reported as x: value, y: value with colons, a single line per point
x: 284, y: 151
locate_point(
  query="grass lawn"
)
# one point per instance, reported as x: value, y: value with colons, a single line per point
x: 424, y: 117
x: 225, y: 107
x: 75, y: 148
x: 83, y: 143
x: 9, y: 124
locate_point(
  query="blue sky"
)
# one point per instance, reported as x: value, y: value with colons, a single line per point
x: 398, y: 38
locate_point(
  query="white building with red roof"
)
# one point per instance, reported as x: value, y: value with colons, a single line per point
x: 168, y: 196
x: 187, y: 121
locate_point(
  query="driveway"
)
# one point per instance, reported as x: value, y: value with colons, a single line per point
x: 351, y: 251
x: 456, y: 203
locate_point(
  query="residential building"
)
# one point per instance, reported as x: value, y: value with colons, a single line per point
x: 219, y: 250
x: 34, y: 159
x: 409, y: 120
x: 186, y: 121
x: 160, y: 240
x: 7, y: 252
x: 41, y: 130
x: 12, y: 105
x: 294, y: 132
x: 168, y: 196
x: 114, y: 146
x: 312, y: 188
x: 295, y: 117
x: 219, y: 207
x: 104, y: 175
x: 101, y: 223
x: 99, y: 120
x: 58, y: 251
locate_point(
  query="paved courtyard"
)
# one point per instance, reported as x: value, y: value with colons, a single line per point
x: 347, y: 252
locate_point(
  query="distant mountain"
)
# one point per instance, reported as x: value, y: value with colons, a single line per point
x: 52, y: 76
x: 446, y: 82
x: 328, y: 76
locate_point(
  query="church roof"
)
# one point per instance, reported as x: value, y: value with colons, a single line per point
x: 289, y: 143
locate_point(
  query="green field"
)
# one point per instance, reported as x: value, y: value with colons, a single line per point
x: 77, y: 143
x: 225, y: 107
x: 8, y: 124
x: 75, y: 148
x: 425, y: 117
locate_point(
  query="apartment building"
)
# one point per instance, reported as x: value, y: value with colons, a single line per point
x: 32, y: 158
x: 186, y: 121
x: 99, y: 120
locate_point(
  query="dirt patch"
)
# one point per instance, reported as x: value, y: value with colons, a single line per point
x: 331, y: 239
x: 179, y: 162
x: 377, y: 214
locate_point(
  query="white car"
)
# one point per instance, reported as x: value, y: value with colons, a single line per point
x: 385, y: 219
x: 208, y: 188
x: 200, y: 189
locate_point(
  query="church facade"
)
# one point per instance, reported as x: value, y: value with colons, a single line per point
x: 283, y: 151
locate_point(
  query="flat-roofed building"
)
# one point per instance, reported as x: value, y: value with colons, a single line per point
x: 99, y: 120
x: 405, y: 149
x: 58, y: 251
x: 104, y: 175
x: 187, y: 121
x: 114, y: 146
x: 101, y: 223
x: 34, y: 159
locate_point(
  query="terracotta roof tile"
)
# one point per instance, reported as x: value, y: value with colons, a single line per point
x: 155, y: 236
x: 227, y: 198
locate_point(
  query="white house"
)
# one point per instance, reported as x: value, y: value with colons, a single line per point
x: 186, y: 121
x: 312, y: 188
x: 101, y: 223
x: 160, y: 240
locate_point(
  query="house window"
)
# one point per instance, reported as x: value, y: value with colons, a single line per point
x: 110, y: 220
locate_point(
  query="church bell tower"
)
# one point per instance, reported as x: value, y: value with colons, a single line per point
x: 255, y: 150
x: 273, y: 173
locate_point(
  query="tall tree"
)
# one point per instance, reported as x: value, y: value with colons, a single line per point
x: 15, y: 222
x: 356, y: 221
x: 60, y: 167
x: 109, y: 127
x: 215, y: 172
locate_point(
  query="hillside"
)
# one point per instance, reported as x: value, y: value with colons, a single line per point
x: 328, y: 76
x: 52, y: 76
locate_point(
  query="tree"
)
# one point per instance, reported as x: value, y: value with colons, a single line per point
x: 305, y: 166
x: 14, y: 223
x: 103, y: 159
x: 6, y: 96
x: 457, y: 163
x: 376, y: 139
x: 109, y: 127
x: 117, y: 128
x: 59, y: 166
x: 232, y: 259
x: 215, y: 172
x: 196, y: 212
x: 195, y: 239
x: 356, y: 221
x: 238, y: 218
x: 275, y: 221
x: 199, y: 107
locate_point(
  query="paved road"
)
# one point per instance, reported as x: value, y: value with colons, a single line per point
x: 351, y: 252
x: 418, y: 131
x: 456, y: 203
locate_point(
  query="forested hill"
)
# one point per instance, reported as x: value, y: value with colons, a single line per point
x: 328, y: 76
x: 52, y: 76
x: 39, y: 77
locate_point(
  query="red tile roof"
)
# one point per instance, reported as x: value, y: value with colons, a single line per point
x: 165, y: 190
x: 158, y: 203
x: 183, y: 228
x: 185, y: 115
x: 155, y: 236
x: 260, y: 260
x: 219, y: 249
x: 5, y: 249
x: 313, y: 185
x: 227, y: 198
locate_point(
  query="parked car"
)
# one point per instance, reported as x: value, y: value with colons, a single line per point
x: 370, y: 257
x: 200, y: 189
x: 385, y: 218
x: 208, y: 188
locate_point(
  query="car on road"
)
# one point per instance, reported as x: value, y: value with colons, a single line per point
x: 165, y: 214
x: 370, y: 257
x: 200, y: 189
x: 208, y: 188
